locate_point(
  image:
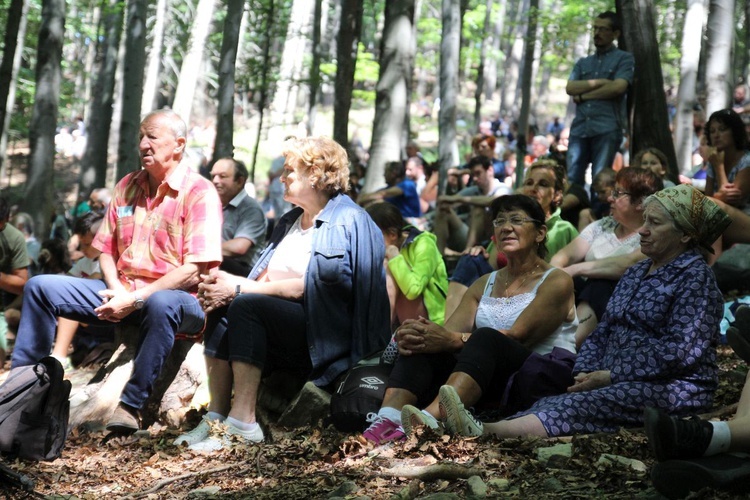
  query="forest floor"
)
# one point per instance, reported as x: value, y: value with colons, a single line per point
x: 324, y: 463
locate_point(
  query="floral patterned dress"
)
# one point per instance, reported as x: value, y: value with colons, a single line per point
x: 658, y: 339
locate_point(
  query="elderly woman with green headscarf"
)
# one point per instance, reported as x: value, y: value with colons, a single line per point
x: 655, y: 345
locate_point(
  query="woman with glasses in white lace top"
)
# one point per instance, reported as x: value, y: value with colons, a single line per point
x: 511, y: 325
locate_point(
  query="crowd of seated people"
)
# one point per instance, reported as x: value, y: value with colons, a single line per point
x: 551, y: 331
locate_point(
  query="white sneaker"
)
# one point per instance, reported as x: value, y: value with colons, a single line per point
x: 224, y: 440
x: 412, y: 417
x: 458, y: 420
x: 199, y: 433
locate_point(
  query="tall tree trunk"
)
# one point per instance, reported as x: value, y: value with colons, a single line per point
x: 270, y: 13
x: 347, y: 44
x: 94, y: 161
x: 150, y: 88
x: 315, y: 66
x: 90, y: 62
x: 224, y: 145
x: 490, y: 73
x: 9, y: 71
x: 39, y: 193
x: 512, y: 70
x: 719, y: 53
x: 392, y: 87
x: 650, y: 127
x: 525, y: 84
x: 695, y: 19
x: 183, y: 98
x: 132, y: 88
x: 450, y: 46
x: 745, y: 56
x: 287, y: 87
x: 482, y: 70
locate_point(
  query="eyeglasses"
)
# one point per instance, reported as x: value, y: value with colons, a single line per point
x: 515, y: 220
x: 616, y: 193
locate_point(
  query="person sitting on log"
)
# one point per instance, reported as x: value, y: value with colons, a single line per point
x: 313, y: 305
x: 161, y: 231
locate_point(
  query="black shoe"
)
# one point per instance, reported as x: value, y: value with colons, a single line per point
x: 671, y: 437
x: 124, y: 420
x: 677, y: 478
x: 738, y: 335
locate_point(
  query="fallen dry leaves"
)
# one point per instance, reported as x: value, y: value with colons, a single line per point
x: 318, y: 463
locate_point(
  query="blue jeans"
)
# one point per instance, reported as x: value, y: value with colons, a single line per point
x: 599, y: 150
x: 166, y: 312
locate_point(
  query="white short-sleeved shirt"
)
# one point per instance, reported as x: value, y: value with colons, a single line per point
x: 291, y: 257
x: 605, y: 243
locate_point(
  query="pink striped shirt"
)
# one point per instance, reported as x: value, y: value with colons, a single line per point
x: 149, y: 237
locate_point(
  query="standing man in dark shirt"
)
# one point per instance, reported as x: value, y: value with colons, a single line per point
x: 598, y: 85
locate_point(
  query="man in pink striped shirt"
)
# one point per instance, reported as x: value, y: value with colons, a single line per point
x: 161, y: 230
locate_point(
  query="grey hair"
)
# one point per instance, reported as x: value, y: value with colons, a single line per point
x: 176, y: 123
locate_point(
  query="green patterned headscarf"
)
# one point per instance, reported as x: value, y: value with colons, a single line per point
x: 694, y: 213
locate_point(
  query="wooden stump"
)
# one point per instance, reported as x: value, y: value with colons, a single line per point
x: 183, y: 371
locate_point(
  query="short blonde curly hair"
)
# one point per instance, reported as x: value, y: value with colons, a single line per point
x: 325, y: 161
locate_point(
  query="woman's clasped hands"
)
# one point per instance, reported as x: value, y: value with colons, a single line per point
x: 419, y: 336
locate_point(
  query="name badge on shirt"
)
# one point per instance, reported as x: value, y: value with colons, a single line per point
x: 125, y: 211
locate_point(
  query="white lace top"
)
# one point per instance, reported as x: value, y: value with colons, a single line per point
x: 501, y: 312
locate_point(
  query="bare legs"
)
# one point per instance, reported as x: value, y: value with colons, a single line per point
x: 219, y: 373
x: 247, y: 380
x: 739, y: 426
x: 401, y: 307
x: 526, y: 426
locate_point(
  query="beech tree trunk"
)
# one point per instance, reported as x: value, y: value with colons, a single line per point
x: 94, y: 161
x: 512, y: 70
x: 481, y: 71
x: 224, y: 145
x: 315, y: 67
x: 525, y: 85
x: 719, y: 52
x: 39, y: 195
x: 449, y: 61
x: 650, y: 127
x: 188, y: 80
x: 346, y: 56
x: 491, y: 66
x: 392, y: 87
x: 695, y: 19
x: 132, y: 88
x: 150, y: 88
x: 15, y: 33
x: 292, y: 58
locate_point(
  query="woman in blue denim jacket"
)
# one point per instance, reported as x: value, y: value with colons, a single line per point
x: 314, y: 304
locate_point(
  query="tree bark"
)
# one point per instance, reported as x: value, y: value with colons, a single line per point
x: 528, y: 62
x: 151, y: 86
x: 132, y: 85
x: 346, y: 56
x: 314, y: 80
x: 392, y: 87
x: 490, y: 73
x: 719, y: 51
x: 94, y: 161
x: 449, y: 61
x: 287, y: 87
x: 512, y: 70
x: 8, y: 97
x: 695, y: 19
x: 183, y: 98
x: 224, y: 145
x: 481, y: 71
x: 270, y: 12
x: 39, y: 195
x: 650, y: 127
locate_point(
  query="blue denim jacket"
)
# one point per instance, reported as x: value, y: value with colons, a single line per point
x: 345, y: 298
x: 600, y: 116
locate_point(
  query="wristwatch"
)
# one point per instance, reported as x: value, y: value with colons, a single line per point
x: 237, y: 290
x: 138, y: 303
